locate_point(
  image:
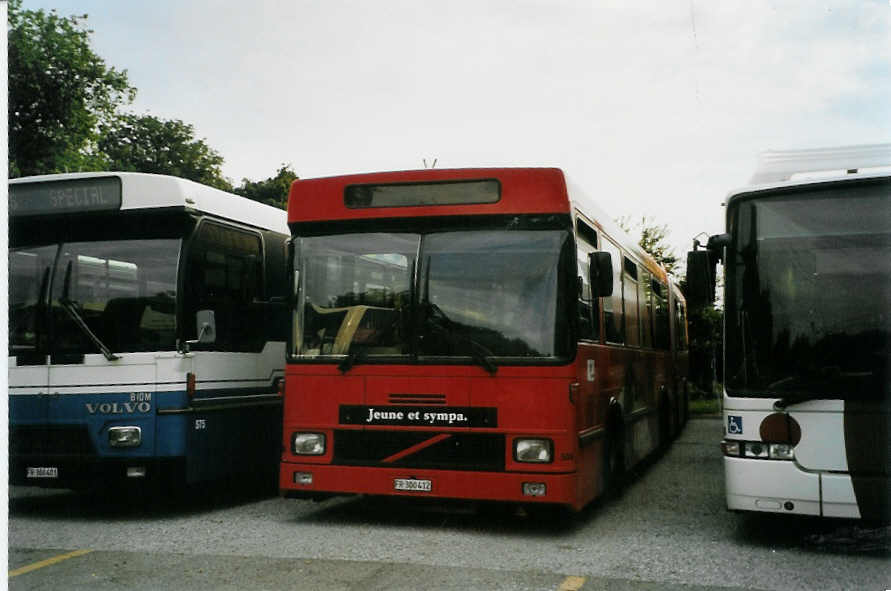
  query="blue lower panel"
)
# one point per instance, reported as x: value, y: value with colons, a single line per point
x: 69, y: 436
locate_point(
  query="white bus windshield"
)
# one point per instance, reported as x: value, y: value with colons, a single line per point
x: 123, y: 290
x: 809, y: 293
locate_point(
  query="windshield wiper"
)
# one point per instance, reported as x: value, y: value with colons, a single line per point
x: 478, y: 352
x: 787, y: 401
x: 481, y: 355
x: 351, y: 359
x: 70, y: 307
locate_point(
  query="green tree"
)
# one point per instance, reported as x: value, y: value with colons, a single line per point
x: 60, y: 93
x: 145, y: 143
x: 705, y: 327
x: 272, y: 191
x: 653, y: 240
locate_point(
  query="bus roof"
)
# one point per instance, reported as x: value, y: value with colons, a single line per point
x: 154, y: 191
x: 778, y: 169
x: 523, y: 191
x: 601, y: 220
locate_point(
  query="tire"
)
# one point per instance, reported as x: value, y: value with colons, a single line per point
x: 664, y: 424
x: 613, y: 463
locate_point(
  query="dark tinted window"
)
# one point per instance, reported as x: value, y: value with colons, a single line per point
x: 661, y: 329
x: 644, y: 288
x: 225, y: 276
x: 613, y: 318
x: 588, y: 313
x: 630, y: 297
x: 422, y: 194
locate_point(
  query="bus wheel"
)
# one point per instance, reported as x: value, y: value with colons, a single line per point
x: 664, y: 424
x: 613, y: 463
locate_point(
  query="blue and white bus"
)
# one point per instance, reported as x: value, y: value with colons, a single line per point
x: 143, y: 340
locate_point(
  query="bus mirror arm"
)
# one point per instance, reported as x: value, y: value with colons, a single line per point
x: 206, y: 334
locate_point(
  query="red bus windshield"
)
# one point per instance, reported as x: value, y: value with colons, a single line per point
x: 433, y: 296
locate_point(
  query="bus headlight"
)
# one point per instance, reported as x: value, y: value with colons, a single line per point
x: 781, y: 451
x: 537, y: 451
x: 730, y: 447
x: 756, y: 449
x: 308, y: 444
x: 760, y: 450
x: 124, y: 436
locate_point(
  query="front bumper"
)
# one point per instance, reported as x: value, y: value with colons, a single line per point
x: 496, y: 486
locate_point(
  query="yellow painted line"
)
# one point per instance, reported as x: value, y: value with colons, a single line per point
x: 47, y: 562
x: 572, y: 583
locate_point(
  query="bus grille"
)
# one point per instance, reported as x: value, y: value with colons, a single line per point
x: 458, y: 451
x: 56, y: 441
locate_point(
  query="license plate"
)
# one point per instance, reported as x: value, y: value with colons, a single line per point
x: 43, y: 472
x: 413, y: 484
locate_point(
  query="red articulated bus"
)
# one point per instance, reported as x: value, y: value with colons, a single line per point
x: 473, y: 334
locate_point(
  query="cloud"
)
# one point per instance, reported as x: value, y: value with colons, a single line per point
x: 659, y: 107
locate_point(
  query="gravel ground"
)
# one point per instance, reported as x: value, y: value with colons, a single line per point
x: 670, y: 526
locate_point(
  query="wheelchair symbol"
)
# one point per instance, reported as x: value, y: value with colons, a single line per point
x: 734, y: 425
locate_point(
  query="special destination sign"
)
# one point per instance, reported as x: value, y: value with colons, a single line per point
x: 420, y: 416
x: 65, y: 196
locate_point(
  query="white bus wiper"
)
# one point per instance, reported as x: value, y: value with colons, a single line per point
x: 787, y: 401
x: 804, y: 387
x: 70, y: 307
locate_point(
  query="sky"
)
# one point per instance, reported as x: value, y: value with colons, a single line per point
x: 655, y: 108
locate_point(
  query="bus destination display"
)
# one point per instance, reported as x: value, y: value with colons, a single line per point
x: 68, y: 196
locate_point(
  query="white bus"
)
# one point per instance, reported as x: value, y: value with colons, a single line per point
x: 807, y: 267
x: 142, y: 339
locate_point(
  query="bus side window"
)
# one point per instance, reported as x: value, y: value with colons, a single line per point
x: 661, y: 328
x: 224, y: 274
x: 589, y: 315
x: 681, y: 332
x: 613, y: 318
x: 646, y: 308
x: 632, y: 320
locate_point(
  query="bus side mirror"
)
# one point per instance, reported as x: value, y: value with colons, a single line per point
x: 701, y: 271
x: 600, y: 269
x: 207, y: 331
x: 207, y: 327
